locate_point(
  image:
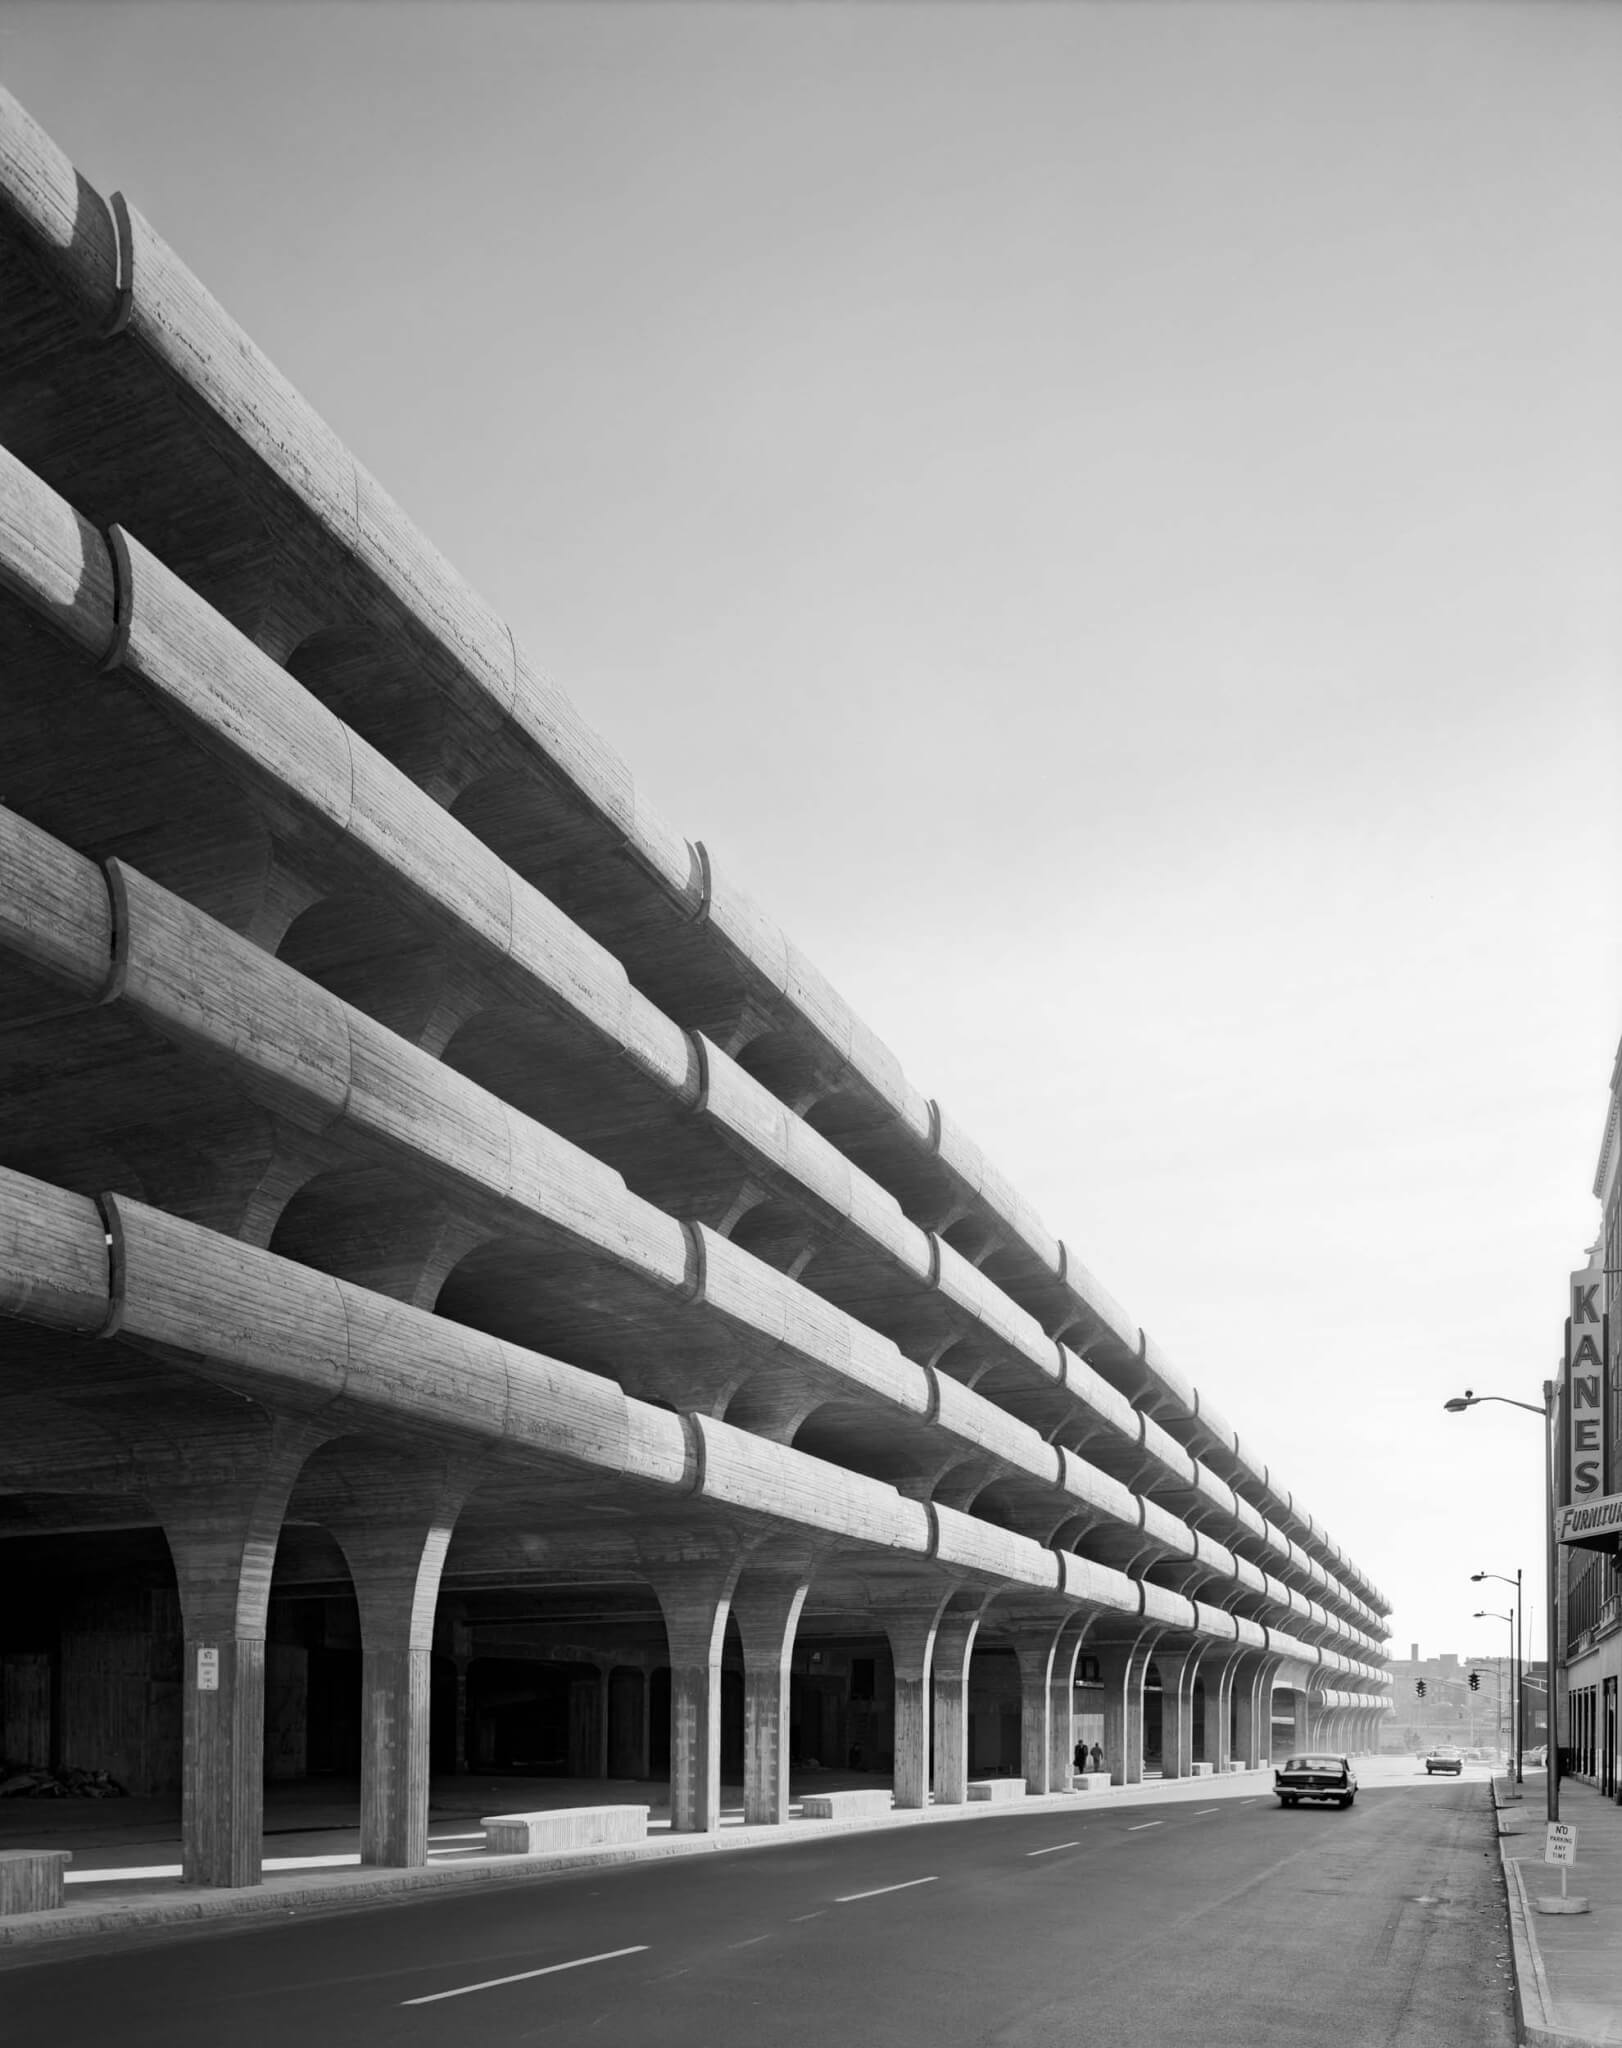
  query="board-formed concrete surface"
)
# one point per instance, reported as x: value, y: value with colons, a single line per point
x: 478, y: 1297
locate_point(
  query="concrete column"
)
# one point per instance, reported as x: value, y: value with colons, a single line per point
x: 1253, y: 1696
x: 1301, y: 1714
x: 1246, y: 1723
x: 1035, y: 1659
x: 396, y: 1550
x: 1177, y: 1669
x: 910, y: 1624
x: 1218, y: 1673
x: 222, y: 1534
x: 954, y: 1650
x: 695, y: 1607
x: 767, y: 1605
x: 1061, y: 1714
x: 1121, y: 1667
x: 1033, y: 1651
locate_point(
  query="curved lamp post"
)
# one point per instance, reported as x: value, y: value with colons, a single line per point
x: 1492, y: 1614
x: 1515, y: 1665
x: 1457, y: 1406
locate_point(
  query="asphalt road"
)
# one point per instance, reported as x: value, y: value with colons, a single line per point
x: 1216, y: 1922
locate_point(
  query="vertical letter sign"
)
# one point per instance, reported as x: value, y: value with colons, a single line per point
x: 1586, y: 1417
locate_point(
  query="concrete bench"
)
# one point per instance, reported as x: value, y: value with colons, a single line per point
x: 31, y: 1880
x: 563, y: 1827
x: 1204, y: 1770
x: 1090, y: 1781
x: 855, y: 1805
x: 996, y: 1789
x: 1241, y: 1766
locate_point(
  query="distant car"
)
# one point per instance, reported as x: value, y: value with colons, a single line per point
x: 1315, y: 1777
x: 1444, y: 1760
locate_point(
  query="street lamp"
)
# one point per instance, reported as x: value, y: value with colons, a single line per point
x: 1457, y: 1406
x: 1476, y: 1578
x: 1492, y: 1614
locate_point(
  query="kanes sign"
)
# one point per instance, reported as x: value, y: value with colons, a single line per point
x: 1588, y: 1432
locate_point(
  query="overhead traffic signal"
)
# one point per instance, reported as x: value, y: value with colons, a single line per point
x: 1475, y: 1681
x: 1419, y: 1687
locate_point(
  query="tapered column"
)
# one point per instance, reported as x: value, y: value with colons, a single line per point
x: 1218, y: 1673
x: 1033, y: 1652
x: 1062, y: 1703
x: 1121, y: 1668
x: 1246, y: 1720
x: 954, y: 1650
x: 222, y: 1536
x: 910, y: 1623
x: 1301, y: 1720
x: 695, y: 1604
x: 1253, y: 1709
x: 1177, y: 1669
x: 767, y: 1605
x: 394, y: 1537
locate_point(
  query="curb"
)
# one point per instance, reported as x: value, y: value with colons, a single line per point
x: 42, y: 1937
x: 1534, y: 2001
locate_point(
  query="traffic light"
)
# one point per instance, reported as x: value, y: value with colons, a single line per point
x: 1419, y: 1687
x: 1475, y: 1681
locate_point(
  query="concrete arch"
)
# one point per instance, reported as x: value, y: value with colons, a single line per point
x: 523, y: 820
x: 372, y: 953
x: 353, y: 1223
x: 377, y: 684
x: 845, y: 1435
x: 778, y: 1234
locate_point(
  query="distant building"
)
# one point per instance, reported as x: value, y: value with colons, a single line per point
x: 1452, y: 1711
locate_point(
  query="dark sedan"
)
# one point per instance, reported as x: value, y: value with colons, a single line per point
x: 1315, y: 1777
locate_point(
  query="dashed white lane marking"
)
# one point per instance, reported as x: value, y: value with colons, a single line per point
x: 750, y: 1942
x: 1142, y: 1824
x: 850, y: 1898
x: 523, y: 1976
x: 807, y: 1916
x: 1049, y: 1851
x: 1204, y: 1810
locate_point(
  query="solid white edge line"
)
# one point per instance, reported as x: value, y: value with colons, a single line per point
x: 1142, y: 1824
x: 1050, y: 1849
x: 850, y: 1898
x: 523, y: 1976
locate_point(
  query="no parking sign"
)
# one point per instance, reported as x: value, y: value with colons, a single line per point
x: 1560, y: 1843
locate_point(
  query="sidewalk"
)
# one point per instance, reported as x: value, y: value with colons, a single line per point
x: 1568, y: 1967
x: 124, y: 1881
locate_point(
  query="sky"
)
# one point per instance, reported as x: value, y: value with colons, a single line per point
x: 1107, y: 519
